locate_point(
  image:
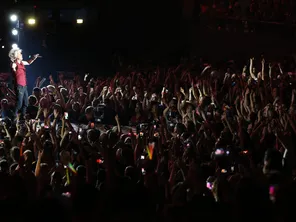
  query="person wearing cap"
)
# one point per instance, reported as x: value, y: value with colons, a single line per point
x: 19, y: 72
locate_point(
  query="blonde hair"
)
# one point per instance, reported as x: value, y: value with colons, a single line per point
x: 13, y: 54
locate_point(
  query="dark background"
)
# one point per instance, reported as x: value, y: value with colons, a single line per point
x: 137, y: 31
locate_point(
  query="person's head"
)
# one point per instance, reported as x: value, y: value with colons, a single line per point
x: 274, y: 92
x: 173, y: 103
x: 48, y: 151
x: 107, y: 102
x: 58, y: 132
x: 51, y: 89
x: 179, y: 128
x: 154, y: 107
x: 4, y: 104
x: 44, y: 91
x: 2, y: 152
x: 15, y: 154
x: 64, y: 92
x: 37, y: 92
x: 138, y: 108
x: 15, y: 55
x: 56, y: 179
x: 65, y: 157
x: 189, y: 107
x: 76, y: 106
x: 221, y: 190
x: 273, y: 161
x: 59, y: 102
x: 101, y: 176
x: 44, y: 103
x: 80, y: 90
x: 81, y: 173
x: 58, y: 108
x: 28, y: 156
x: 190, y: 126
x: 93, y: 135
x: 44, y: 172
x: 12, y: 168
x: 126, y: 88
x: 112, y: 138
x: 95, y: 102
x: 89, y: 112
x: 32, y: 100
x: 4, y: 166
x: 130, y: 172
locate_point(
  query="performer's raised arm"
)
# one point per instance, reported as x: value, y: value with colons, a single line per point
x: 29, y: 62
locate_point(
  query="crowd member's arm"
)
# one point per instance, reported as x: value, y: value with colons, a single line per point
x: 179, y: 105
x: 139, y: 147
x: 69, y: 125
x: 194, y: 93
x: 246, y: 101
x: 280, y: 68
x: 224, y: 118
x: 40, y: 110
x: 183, y: 93
x: 61, y: 97
x: 252, y: 101
x: 291, y: 122
x: 207, y: 68
x: 51, y: 81
x: 37, y: 82
x: 270, y: 71
x: 251, y: 69
x: 262, y: 69
x: 200, y: 92
x: 118, y: 124
x: 7, y: 132
x: 145, y: 103
x: 63, y: 142
x: 165, y: 111
x: 46, y: 117
x: 204, y: 89
x: 257, y: 129
x: 63, y: 127
x: 38, y: 168
x: 53, y: 132
x: 163, y: 134
x: 237, y: 103
x: 61, y: 76
x: 240, y: 131
x: 291, y: 109
x: 109, y: 93
x: 190, y: 94
x: 17, y: 125
x: 85, y: 103
x: 172, y: 177
x: 167, y: 107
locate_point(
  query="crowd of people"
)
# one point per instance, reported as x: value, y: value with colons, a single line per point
x: 191, y: 142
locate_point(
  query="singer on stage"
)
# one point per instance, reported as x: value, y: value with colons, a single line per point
x: 19, y: 73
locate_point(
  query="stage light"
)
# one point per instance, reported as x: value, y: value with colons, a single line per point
x: 13, y: 18
x: 14, y: 32
x: 3, y: 47
x: 31, y: 21
x: 79, y: 21
x: 14, y: 46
